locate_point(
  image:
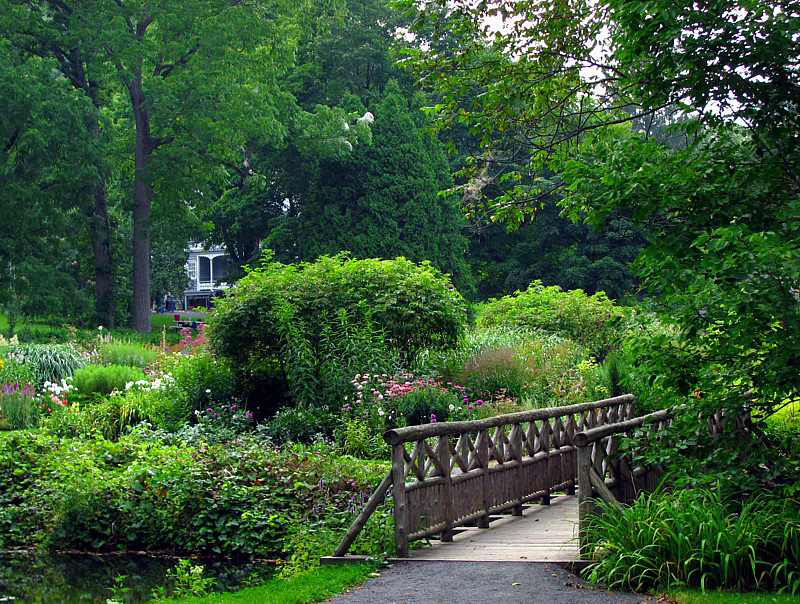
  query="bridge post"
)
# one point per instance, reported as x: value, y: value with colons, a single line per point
x: 400, y: 500
x: 483, y: 459
x: 444, y: 459
x: 516, y: 443
x: 585, y: 503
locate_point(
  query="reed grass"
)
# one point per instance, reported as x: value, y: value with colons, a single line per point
x: 130, y: 354
x: 693, y: 538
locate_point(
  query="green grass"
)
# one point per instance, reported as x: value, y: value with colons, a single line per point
x: 34, y: 324
x: 787, y: 417
x: 313, y: 586
x: 159, y: 321
x: 727, y: 597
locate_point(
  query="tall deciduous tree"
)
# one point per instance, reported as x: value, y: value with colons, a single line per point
x: 45, y: 178
x: 45, y: 30
x: 199, y: 78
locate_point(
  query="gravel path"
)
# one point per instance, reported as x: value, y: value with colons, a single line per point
x: 483, y: 583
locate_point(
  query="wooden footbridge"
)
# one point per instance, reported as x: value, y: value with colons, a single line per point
x: 518, y: 473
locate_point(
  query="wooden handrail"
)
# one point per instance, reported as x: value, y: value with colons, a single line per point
x: 412, y: 433
x: 581, y: 439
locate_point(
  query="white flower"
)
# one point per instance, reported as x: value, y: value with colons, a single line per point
x: 99, y: 328
x: 380, y: 397
x: 380, y: 411
x: 451, y: 406
x: 208, y: 390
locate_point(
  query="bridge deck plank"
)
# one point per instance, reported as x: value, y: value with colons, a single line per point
x: 544, y: 533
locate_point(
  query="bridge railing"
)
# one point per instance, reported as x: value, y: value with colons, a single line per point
x: 618, y: 478
x: 449, y: 474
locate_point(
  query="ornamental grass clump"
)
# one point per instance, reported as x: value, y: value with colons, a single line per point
x: 49, y: 362
x: 130, y: 354
x: 694, y: 538
x: 97, y: 379
x: 540, y: 369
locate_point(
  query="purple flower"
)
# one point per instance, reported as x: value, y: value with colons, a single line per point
x: 209, y: 410
x: 479, y: 402
x: 249, y: 416
x: 233, y: 407
x: 470, y: 407
x: 466, y: 399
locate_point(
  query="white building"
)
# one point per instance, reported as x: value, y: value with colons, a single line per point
x: 207, y: 270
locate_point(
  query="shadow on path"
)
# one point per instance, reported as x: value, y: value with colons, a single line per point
x: 428, y: 582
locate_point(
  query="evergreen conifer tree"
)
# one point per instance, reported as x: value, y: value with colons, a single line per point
x: 382, y: 201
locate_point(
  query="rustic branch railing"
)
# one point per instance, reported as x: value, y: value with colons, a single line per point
x: 449, y: 474
x: 605, y: 474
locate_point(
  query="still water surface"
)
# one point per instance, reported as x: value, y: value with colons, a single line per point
x: 78, y: 578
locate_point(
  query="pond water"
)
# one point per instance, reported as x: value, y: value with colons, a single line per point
x: 68, y: 578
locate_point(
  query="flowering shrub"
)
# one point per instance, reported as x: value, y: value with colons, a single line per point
x: 57, y: 393
x: 191, y: 342
x: 386, y: 401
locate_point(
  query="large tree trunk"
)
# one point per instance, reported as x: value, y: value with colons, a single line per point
x: 142, y: 202
x: 99, y: 225
x: 100, y: 233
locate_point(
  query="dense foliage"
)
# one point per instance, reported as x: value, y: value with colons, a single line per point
x: 553, y: 249
x: 321, y: 320
x: 718, y: 211
x: 591, y: 320
x: 244, y: 497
